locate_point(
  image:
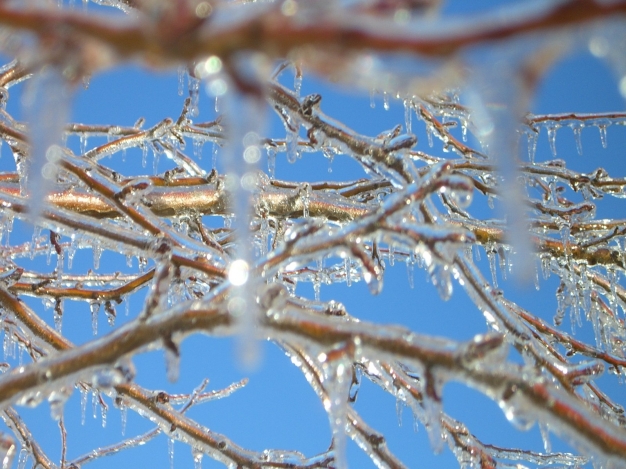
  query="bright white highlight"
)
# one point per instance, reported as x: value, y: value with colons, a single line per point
x: 238, y: 272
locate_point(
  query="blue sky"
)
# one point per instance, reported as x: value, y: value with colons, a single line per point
x: 277, y: 409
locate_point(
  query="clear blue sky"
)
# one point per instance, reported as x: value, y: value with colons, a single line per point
x: 277, y: 409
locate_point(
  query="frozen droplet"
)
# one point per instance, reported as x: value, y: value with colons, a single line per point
x: 385, y: 101
x: 317, y: 288
x: 95, y: 309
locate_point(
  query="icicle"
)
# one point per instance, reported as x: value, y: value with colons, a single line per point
x: 552, y: 127
x: 97, y: 252
x: 355, y: 385
x: 144, y: 155
x: 577, y: 128
x: 399, y: 407
x: 297, y: 82
x: 391, y: 255
x: 94, y: 306
x: 194, y: 94
x: 217, y: 104
x: 429, y: 134
x: 170, y: 451
x: 83, y: 404
x: 271, y: 161
x: 8, y: 345
x: 34, y: 242
x: 304, y: 193
x: 336, y: 383
x: 181, y: 80
x: 83, y: 143
x: 410, y: 271
x: 155, y: 162
x: 532, y: 144
x: 348, y: 267
x: 22, y: 459
x: 172, y: 360
x: 463, y: 129
x: 7, y: 451
x: 492, y: 264
x: 103, y: 414
x: 545, y: 436
x: 123, y: 416
x: 197, y: 458
x: 198, y: 143
x: 109, y: 310
x: 317, y: 288
x: 372, y: 98
x: 95, y: 402
x: 442, y: 281
x: 58, y: 314
x: 214, y: 150
x: 71, y: 251
x: 292, y: 146
x: 408, y: 107
x: 385, y: 100
x: 602, y: 124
